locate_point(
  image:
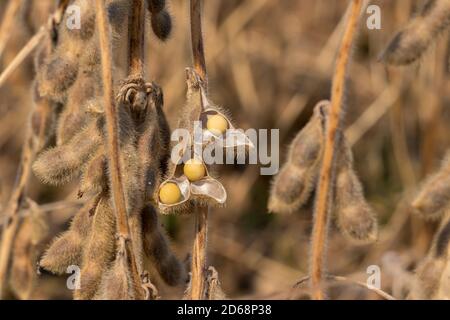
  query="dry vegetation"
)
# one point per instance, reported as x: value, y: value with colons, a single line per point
x: 86, y: 180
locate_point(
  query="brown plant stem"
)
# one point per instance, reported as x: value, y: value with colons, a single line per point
x: 8, y: 20
x: 113, y: 141
x: 199, y: 266
x: 136, y: 39
x: 23, y: 54
x: 323, y: 198
x: 197, y: 40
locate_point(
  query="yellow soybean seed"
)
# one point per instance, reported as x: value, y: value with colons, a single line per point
x: 170, y: 193
x: 217, y: 124
x: 194, y: 170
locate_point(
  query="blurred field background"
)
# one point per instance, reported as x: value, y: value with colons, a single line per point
x: 269, y: 63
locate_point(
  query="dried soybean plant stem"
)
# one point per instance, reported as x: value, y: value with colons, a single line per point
x: 137, y: 39
x: 33, y: 42
x: 199, y: 267
x: 197, y: 40
x: 8, y: 20
x: 22, y: 55
x: 112, y: 137
x: 199, y: 254
x: 323, y: 198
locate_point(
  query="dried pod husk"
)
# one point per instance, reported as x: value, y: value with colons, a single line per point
x: 231, y: 138
x: 434, y: 196
x: 208, y: 191
x: 98, y: 253
x: 355, y: 217
x: 66, y: 250
x: 157, y: 249
x: 27, y: 244
x: 292, y: 187
x: 161, y: 23
x: 60, y: 164
x: 205, y: 191
x: 180, y: 206
x: 409, y: 44
x: 193, y: 108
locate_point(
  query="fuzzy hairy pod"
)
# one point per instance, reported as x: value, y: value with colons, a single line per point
x: 76, y: 52
x: 409, y: 44
x: 292, y: 187
x: 144, y: 131
x: 74, y: 116
x: 95, y: 174
x: 66, y: 250
x: 117, y: 283
x: 355, y: 217
x: 32, y: 232
x: 60, y: 164
x: 87, y: 23
x: 98, y: 253
x: 434, y: 196
x: 157, y: 249
x: 42, y: 119
x: 155, y: 6
x: 432, y: 275
x: 161, y: 21
x: 426, y: 281
x: 161, y: 25
x: 57, y: 76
